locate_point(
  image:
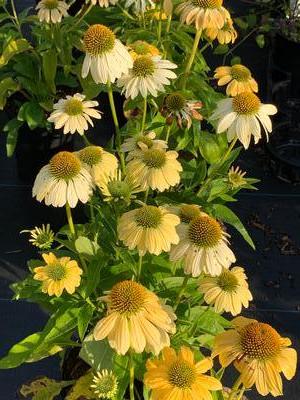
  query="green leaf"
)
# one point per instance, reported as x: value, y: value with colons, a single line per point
x: 12, y: 48
x: 49, y: 58
x: 7, y: 87
x: 12, y: 129
x: 82, y: 389
x: 221, y: 49
x: 32, y: 113
x: 97, y: 353
x: 85, y: 246
x: 84, y: 317
x: 260, y: 40
x: 211, y: 147
x: 43, y: 389
x: 225, y: 214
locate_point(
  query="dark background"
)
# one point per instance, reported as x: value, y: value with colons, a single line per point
x: 271, y: 215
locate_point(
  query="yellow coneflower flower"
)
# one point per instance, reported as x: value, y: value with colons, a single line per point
x: 133, y: 144
x: 227, y: 34
x: 74, y: 114
x: 41, y: 237
x: 259, y: 353
x: 52, y: 10
x: 99, y: 162
x: 105, y: 385
x: 227, y: 292
x: 148, y: 76
x: 238, y: 77
x: 186, y: 212
x: 180, y: 377
x: 58, y: 274
x: 203, y: 13
x: 236, y: 177
x: 106, y: 57
x: 155, y: 168
x: 149, y: 229
x: 203, y: 246
x: 103, y: 3
x: 64, y: 180
x: 136, y: 319
x: 141, y: 48
x: 241, y: 117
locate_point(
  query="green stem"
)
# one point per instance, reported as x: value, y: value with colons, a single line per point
x: 168, y: 132
x: 139, y: 271
x: 144, y: 115
x: 86, y: 141
x: 169, y: 23
x: 84, y: 12
x: 70, y: 220
x: 160, y: 21
x: 235, y: 388
x: 13, y: 7
x: 131, y: 376
x: 181, y: 292
x: 192, y: 57
x: 146, y: 195
x: 242, y: 391
x: 92, y: 212
x: 126, y: 13
x: 117, y: 127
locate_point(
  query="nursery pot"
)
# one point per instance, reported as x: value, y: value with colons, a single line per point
x: 284, y: 152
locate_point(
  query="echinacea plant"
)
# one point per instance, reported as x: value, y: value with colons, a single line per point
x: 140, y: 287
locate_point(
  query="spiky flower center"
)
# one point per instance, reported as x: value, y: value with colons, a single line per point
x: 98, y: 39
x: 142, y: 48
x: 227, y: 281
x: 91, y: 155
x: 208, y: 3
x: 181, y: 374
x: 204, y: 231
x: 143, y: 66
x: 73, y: 107
x: 175, y: 102
x: 148, y: 217
x: 127, y: 297
x: 64, y: 165
x: 119, y: 189
x: 236, y: 178
x: 56, y: 272
x: 246, y: 103
x: 240, y: 73
x: 145, y: 140
x: 105, y: 385
x: 154, y: 158
x: 42, y: 238
x: 188, y: 212
x: 260, y: 341
x: 51, y: 4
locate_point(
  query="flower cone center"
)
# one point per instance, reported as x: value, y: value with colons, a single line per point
x: 51, y: 4
x: 98, y: 39
x: 148, y: 217
x: 91, y: 155
x: 208, y: 3
x: 154, y: 158
x: 204, y: 231
x: 181, y: 374
x: 142, y: 48
x: 64, y: 165
x: 240, y: 73
x: 175, y: 102
x: 246, y: 103
x: 127, y: 297
x: 227, y: 281
x: 145, y: 140
x: 105, y: 386
x: 143, y: 66
x: 260, y: 340
x: 56, y: 272
x: 119, y: 189
x: 73, y: 107
x: 188, y: 212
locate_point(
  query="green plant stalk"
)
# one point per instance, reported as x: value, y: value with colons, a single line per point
x: 13, y: 7
x: 117, y: 127
x: 70, y: 219
x: 131, y: 376
x: 213, y: 174
x: 191, y: 58
x: 139, y: 270
x: 168, y: 132
x: 235, y: 388
x: 181, y: 292
x: 159, y: 28
x: 85, y: 139
x: 242, y: 391
x: 144, y: 115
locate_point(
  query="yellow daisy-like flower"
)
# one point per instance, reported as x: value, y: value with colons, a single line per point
x: 52, y: 10
x: 134, y: 144
x: 64, y: 180
x: 236, y: 177
x: 100, y: 163
x: 105, y: 385
x: 155, y: 168
x: 41, y: 237
x: 180, y: 377
x: 259, y: 353
x: 203, y: 246
x: 149, y: 229
x: 58, y: 274
x: 238, y: 77
x: 227, y: 34
x: 203, y: 13
x: 242, y: 118
x: 136, y: 319
x: 227, y: 292
x: 103, y: 3
x: 142, y: 48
